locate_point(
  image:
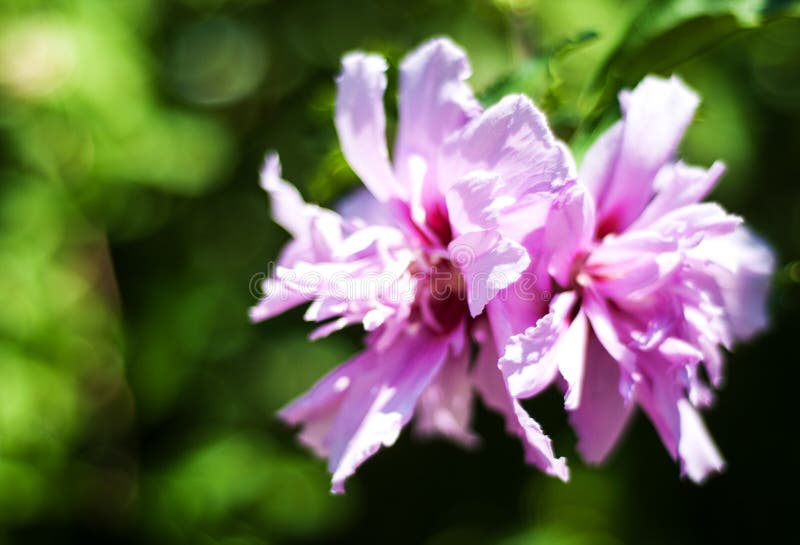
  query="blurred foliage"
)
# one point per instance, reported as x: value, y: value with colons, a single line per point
x: 138, y: 402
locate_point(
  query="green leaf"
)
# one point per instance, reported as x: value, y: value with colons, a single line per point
x: 667, y: 34
x: 535, y: 76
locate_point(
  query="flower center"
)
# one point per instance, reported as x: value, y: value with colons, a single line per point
x: 442, y: 297
x: 578, y: 276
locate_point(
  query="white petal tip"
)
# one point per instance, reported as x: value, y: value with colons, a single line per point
x: 476, y: 307
x: 560, y: 469
x: 270, y: 171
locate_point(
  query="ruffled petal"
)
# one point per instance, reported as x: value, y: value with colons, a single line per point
x: 361, y: 122
x: 512, y: 140
x: 622, y: 167
x: 572, y: 359
x: 677, y: 185
x: 603, y: 323
x: 742, y: 265
x: 698, y: 453
x: 662, y: 396
x: 445, y: 407
x: 476, y: 202
x: 570, y: 228
x: 518, y: 306
x: 489, y: 263
x: 538, y: 447
x: 490, y: 384
x: 433, y: 102
x: 658, y: 394
x: 315, y: 409
x: 600, y: 160
x: 277, y: 298
x: 315, y: 231
x: 636, y: 277
x: 602, y: 413
x: 692, y: 223
x: 289, y: 210
x: 362, y: 208
x: 530, y: 360
x: 382, y: 401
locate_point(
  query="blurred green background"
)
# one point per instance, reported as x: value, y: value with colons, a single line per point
x: 136, y: 401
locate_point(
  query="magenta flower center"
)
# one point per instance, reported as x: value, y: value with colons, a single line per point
x: 442, y: 299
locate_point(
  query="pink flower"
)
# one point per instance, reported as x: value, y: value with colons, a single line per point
x: 653, y: 283
x: 417, y: 257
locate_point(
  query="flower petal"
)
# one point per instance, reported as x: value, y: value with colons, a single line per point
x: 490, y: 384
x: 521, y: 304
x: 530, y: 359
x: 302, y: 221
x: 692, y: 223
x: 623, y: 165
x: 277, y: 298
x: 476, y: 201
x: 658, y: 394
x: 433, y: 102
x: 446, y: 405
x: 362, y: 208
x: 602, y: 413
x: 538, y: 447
x: 569, y: 231
x: 743, y: 267
x: 676, y: 186
x: 382, y: 401
x: 603, y: 322
x: 361, y: 122
x: 681, y: 430
x: 289, y: 210
x: 697, y: 451
x: 637, y: 278
x: 572, y: 359
x: 315, y: 409
x: 512, y: 140
x: 600, y: 161
x: 489, y: 262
